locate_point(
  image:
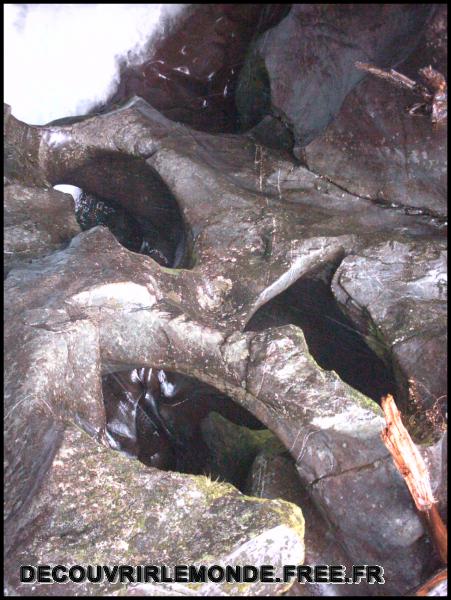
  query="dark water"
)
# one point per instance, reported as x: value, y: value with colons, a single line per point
x: 156, y: 416
x: 162, y: 239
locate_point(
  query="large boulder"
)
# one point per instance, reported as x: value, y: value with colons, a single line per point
x: 301, y: 70
x: 123, y: 513
x: 375, y: 149
x: 407, y: 326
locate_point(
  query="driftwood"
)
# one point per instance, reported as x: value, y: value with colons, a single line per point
x: 410, y: 464
x: 433, y: 90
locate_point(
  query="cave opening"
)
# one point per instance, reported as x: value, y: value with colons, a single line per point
x: 175, y: 422
x: 127, y: 196
x: 332, y: 338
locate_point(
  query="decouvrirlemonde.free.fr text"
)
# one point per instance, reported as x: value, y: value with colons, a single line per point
x: 201, y: 574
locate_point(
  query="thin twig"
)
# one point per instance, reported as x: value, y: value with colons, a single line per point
x: 397, y: 79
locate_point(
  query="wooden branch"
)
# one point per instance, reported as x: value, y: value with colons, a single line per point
x: 433, y: 90
x: 408, y: 460
x: 433, y: 583
x: 410, y: 464
x: 397, y: 79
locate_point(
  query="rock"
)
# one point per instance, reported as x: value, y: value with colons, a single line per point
x: 123, y: 513
x: 332, y: 338
x: 159, y: 417
x: 21, y: 164
x: 254, y: 224
x: 301, y: 70
x: 375, y: 149
x: 233, y: 448
x: 190, y: 73
x: 274, y: 475
x: 37, y: 222
x: 436, y: 460
x: 408, y: 324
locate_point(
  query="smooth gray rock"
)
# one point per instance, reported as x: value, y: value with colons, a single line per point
x: 255, y: 223
x: 37, y: 222
x: 301, y: 70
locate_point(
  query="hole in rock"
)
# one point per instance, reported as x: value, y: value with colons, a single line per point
x: 332, y: 338
x: 174, y: 422
x: 130, y: 198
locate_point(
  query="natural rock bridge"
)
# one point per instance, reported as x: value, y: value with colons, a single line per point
x: 237, y: 225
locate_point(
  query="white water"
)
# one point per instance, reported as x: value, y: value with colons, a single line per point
x: 62, y: 59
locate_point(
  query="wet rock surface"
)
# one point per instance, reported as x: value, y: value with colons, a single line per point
x: 301, y: 70
x: 121, y: 512
x: 191, y: 74
x: 375, y: 149
x: 242, y: 226
x: 158, y: 417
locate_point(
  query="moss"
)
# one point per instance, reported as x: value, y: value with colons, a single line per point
x: 212, y: 489
x: 363, y: 401
x: 172, y: 272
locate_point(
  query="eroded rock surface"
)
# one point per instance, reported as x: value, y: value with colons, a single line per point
x: 375, y: 149
x: 255, y: 223
x: 274, y: 475
x: 120, y: 512
x: 301, y: 70
x: 396, y: 292
x: 37, y: 222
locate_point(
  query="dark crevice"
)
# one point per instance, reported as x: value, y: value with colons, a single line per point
x: 438, y: 220
x: 127, y: 196
x: 174, y: 422
x: 332, y: 338
x: 165, y: 420
x: 137, y: 235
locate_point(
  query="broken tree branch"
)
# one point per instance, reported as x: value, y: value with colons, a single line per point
x: 410, y: 464
x: 434, y: 91
x: 397, y: 79
x: 434, y: 586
